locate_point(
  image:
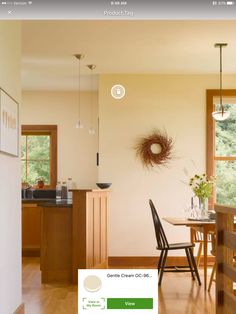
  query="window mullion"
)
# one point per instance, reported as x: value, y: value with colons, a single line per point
x: 225, y: 158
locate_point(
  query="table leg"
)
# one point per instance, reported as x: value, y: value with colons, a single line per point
x: 205, y: 233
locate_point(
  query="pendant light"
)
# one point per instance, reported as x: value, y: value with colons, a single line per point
x: 79, y: 124
x: 91, y: 128
x: 221, y: 114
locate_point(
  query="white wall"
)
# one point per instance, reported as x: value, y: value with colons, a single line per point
x: 10, y: 208
x: 176, y: 104
x: 76, y: 148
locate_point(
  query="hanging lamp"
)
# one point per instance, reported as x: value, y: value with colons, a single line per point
x: 79, y: 124
x: 91, y: 128
x: 221, y: 115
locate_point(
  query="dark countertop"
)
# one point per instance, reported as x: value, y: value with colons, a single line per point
x: 36, y: 200
x: 58, y: 203
x: 48, y: 202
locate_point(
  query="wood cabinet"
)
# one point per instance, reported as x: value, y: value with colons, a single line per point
x: 74, y: 237
x: 90, y: 215
x: 31, y: 229
x: 56, y: 248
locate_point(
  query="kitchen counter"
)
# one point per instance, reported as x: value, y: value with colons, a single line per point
x: 32, y: 209
x: 48, y: 202
x: 73, y: 236
x: 67, y: 234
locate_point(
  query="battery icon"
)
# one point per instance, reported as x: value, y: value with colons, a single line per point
x: 230, y: 2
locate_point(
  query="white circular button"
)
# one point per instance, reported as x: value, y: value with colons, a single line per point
x: 92, y: 283
x: 117, y: 91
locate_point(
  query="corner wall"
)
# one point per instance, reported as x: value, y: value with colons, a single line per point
x: 172, y: 102
x: 10, y: 206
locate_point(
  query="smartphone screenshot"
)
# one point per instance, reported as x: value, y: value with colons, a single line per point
x: 117, y: 157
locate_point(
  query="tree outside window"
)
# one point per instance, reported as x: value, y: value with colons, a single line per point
x: 38, y: 154
x: 225, y: 158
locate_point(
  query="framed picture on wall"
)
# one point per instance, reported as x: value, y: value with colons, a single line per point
x: 9, y: 124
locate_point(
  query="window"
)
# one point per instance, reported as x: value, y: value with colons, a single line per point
x: 39, y: 154
x: 221, y: 147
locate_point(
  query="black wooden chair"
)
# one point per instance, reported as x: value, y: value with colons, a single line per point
x: 164, y: 247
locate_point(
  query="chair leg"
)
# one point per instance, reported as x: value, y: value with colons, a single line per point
x: 162, y: 267
x: 190, y: 264
x: 160, y: 261
x: 199, y: 254
x: 194, y: 266
x: 212, y: 276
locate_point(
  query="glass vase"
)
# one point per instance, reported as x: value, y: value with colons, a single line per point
x: 203, y: 207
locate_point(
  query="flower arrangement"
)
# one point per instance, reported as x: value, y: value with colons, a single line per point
x: 202, y: 186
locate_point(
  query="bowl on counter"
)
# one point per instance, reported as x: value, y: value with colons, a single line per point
x: 103, y: 185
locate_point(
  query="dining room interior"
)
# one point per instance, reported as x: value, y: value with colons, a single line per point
x: 146, y: 107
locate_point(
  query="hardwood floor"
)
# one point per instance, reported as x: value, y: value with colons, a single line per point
x: 178, y: 294
x: 45, y: 299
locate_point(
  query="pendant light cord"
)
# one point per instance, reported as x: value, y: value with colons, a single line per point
x: 79, y: 92
x: 91, y: 100
x: 221, y: 101
x: 91, y: 67
x: 79, y: 57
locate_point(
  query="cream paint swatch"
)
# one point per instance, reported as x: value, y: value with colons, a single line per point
x: 92, y: 283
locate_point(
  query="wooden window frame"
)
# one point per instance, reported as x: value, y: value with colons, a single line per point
x: 46, y: 130
x: 210, y: 127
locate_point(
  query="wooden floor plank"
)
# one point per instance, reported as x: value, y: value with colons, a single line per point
x: 178, y: 294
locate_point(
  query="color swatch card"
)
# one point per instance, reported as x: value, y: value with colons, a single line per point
x: 116, y: 290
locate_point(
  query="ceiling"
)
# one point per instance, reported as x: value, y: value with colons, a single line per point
x: 161, y: 47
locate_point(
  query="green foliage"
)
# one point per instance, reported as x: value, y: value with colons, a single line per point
x: 226, y: 170
x: 226, y: 134
x: 37, y: 150
x: 202, y: 186
x: 226, y: 182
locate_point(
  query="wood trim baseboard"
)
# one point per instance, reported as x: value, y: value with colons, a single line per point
x: 151, y: 261
x: 20, y: 309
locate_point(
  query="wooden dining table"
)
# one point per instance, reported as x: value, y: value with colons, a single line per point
x: 203, y: 226
x: 199, y: 225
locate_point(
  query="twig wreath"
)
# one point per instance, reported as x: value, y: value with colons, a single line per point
x: 145, y: 149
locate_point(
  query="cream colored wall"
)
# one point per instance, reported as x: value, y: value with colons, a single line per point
x: 10, y: 209
x: 76, y: 148
x: 176, y: 104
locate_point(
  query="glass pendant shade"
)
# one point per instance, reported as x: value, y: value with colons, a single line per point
x: 220, y: 116
x: 79, y: 125
x: 91, y: 131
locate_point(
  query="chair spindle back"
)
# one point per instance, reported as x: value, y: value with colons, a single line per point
x: 159, y: 231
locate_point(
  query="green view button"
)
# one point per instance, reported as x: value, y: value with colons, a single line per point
x: 130, y: 304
